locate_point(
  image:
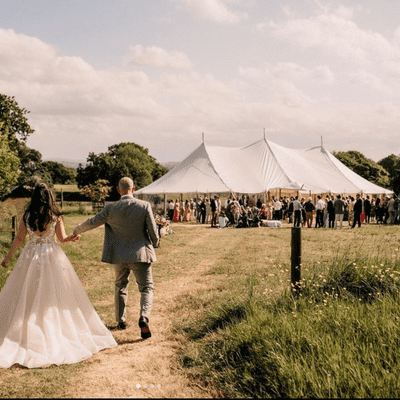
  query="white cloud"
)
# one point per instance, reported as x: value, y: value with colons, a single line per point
x: 335, y: 33
x: 291, y: 72
x: 158, y: 57
x: 214, y: 10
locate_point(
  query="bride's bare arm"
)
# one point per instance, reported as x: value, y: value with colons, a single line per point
x: 61, y: 235
x: 19, y: 239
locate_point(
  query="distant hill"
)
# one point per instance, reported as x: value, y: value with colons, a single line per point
x: 68, y: 163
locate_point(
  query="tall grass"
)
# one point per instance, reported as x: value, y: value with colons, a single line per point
x: 340, y: 338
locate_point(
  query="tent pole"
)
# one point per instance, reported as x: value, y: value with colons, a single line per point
x: 165, y: 205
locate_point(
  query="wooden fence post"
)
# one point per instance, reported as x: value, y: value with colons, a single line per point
x: 296, y: 261
x: 13, y: 226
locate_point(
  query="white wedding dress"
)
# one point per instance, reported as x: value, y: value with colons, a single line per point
x: 46, y: 316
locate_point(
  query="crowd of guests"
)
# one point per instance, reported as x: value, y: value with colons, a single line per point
x: 331, y: 210
x: 327, y: 211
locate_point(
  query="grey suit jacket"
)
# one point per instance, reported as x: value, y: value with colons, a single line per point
x: 130, y: 231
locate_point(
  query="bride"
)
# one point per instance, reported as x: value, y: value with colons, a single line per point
x: 46, y: 316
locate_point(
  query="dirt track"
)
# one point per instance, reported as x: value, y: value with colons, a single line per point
x: 147, y: 368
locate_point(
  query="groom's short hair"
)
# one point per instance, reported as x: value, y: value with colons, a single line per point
x: 126, y: 184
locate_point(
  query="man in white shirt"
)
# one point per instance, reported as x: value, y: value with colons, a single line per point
x: 319, y: 219
x: 297, y: 212
x: 277, y: 209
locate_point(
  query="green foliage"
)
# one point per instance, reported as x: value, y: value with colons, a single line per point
x: 31, y: 166
x: 124, y: 159
x: 392, y: 165
x: 14, y: 122
x: 340, y: 339
x: 9, y: 164
x: 60, y: 174
x: 364, y: 167
x: 97, y: 191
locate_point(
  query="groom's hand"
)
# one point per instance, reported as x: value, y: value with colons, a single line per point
x: 72, y: 238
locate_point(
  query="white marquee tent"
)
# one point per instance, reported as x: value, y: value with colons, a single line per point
x: 258, y: 168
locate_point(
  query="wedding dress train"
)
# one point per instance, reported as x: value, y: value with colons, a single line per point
x: 46, y: 316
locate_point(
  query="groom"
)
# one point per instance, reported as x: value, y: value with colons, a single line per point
x: 130, y: 237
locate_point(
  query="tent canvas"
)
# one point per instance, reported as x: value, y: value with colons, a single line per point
x: 258, y: 168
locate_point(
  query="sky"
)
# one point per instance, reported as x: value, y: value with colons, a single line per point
x: 163, y: 73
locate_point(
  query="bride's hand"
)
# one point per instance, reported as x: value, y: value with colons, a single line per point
x: 72, y: 238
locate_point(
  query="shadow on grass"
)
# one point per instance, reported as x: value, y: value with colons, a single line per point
x: 226, y: 315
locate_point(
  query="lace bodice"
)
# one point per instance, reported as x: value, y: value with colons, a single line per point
x: 47, y: 237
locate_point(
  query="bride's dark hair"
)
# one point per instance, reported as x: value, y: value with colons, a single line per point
x: 42, y: 209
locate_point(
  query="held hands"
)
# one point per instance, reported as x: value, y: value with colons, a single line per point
x: 72, y: 238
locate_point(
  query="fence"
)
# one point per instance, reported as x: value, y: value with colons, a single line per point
x: 13, y: 227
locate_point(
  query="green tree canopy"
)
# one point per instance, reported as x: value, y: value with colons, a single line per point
x: 124, y: 159
x: 364, y: 167
x: 60, y: 174
x: 9, y: 165
x: 392, y: 165
x: 14, y: 122
x: 31, y: 166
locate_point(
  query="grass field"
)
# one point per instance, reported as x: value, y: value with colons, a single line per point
x: 224, y: 297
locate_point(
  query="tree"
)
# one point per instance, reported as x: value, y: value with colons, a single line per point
x: 124, y: 159
x: 60, y: 174
x: 9, y: 165
x: 97, y: 191
x: 392, y: 165
x: 365, y: 167
x: 31, y: 166
x: 14, y: 122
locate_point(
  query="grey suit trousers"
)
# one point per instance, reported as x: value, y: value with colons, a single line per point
x: 144, y: 279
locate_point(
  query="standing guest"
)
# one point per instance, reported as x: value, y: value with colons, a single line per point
x: 350, y: 208
x: 290, y: 210
x: 297, y: 212
x: 229, y: 213
x: 181, y: 210
x: 277, y: 210
x: 259, y: 203
x: 198, y: 209
x: 339, y: 211
x: 386, y: 210
x: 377, y: 210
x: 219, y: 206
x: 309, y: 208
x: 176, y: 211
x: 284, y: 207
x: 213, y: 206
x: 331, y: 212
x: 193, y: 208
x: 319, y: 219
x: 208, y: 210
x: 396, y: 209
x: 367, y: 209
x: 391, y: 210
x: 187, y: 214
x: 358, y: 205
x: 303, y: 212
x: 171, y: 205
x: 203, y: 211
